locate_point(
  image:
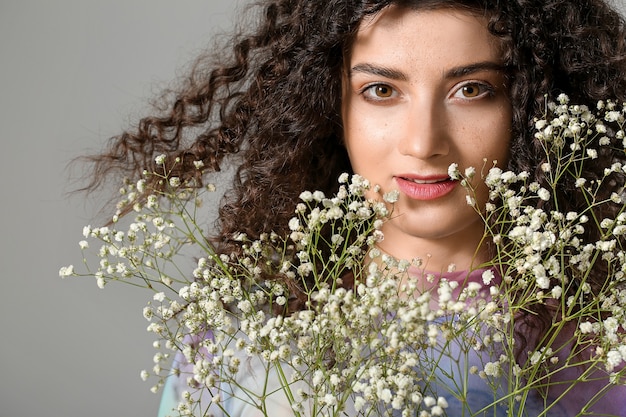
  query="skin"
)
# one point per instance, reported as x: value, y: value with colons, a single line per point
x: 424, y: 89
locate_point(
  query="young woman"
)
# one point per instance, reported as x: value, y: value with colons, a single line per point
x: 395, y: 91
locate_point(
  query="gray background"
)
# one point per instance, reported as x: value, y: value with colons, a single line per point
x: 73, y: 73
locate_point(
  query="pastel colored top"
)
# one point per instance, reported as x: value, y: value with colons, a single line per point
x: 454, y: 362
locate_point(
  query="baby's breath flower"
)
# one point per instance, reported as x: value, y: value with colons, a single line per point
x: 492, y: 369
x: 470, y: 172
x: 391, y: 196
x: 613, y: 360
x: 370, y: 337
x: 543, y: 194
x: 540, y: 124
x: 174, y: 182
x: 453, y: 171
x: 494, y: 177
x: 100, y: 282
x: 556, y: 292
x: 160, y: 159
x: 617, y: 198
x: 318, y: 196
x: 66, y: 271
x: 306, y: 196
x: 488, y: 276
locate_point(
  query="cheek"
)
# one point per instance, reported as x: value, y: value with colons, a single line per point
x: 361, y: 155
x: 365, y: 139
x: 496, y: 140
x: 502, y: 146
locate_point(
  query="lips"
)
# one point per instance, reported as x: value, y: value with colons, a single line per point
x: 425, y: 187
x: 418, y: 181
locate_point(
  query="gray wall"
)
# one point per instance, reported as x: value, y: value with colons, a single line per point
x: 72, y: 73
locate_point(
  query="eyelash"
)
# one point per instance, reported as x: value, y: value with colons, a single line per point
x: 484, y: 89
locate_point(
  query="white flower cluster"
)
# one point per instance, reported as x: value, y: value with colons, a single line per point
x: 368, y: 349
x: 557, y: 258
x: 333, y: 347
x: 342, y: 329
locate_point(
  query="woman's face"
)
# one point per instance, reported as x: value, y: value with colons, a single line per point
x: 422, y: 90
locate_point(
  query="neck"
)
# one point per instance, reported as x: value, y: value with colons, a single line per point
x: 438, y: 255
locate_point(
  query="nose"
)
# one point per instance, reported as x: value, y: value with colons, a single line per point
x: 425, y: 134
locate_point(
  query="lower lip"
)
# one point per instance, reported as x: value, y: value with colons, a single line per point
x: 429, y: 191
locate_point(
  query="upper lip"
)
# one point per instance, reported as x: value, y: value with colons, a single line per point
x: 424, y: 179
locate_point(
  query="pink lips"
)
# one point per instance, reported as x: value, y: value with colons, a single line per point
x: 425, y: 187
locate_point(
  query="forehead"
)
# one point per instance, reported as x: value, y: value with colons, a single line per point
x: 445, y: 29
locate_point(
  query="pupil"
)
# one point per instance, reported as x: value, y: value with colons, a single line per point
x: 470, y: 91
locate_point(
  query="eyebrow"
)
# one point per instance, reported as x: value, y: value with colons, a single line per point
x: 378, y: 70
x: 464, y: 70
x: 455, y: 72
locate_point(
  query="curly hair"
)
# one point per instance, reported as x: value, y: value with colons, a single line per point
x: 272, y: 108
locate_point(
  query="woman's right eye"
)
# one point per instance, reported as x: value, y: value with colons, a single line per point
x: 379, y: 92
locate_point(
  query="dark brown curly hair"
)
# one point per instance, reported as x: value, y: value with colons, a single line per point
x: 270, y: 104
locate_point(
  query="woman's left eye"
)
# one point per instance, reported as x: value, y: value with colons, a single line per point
x: 379, y: 92
x: 473, y: 90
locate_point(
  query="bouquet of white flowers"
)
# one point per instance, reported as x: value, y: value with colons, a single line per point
x: 363, y: 338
